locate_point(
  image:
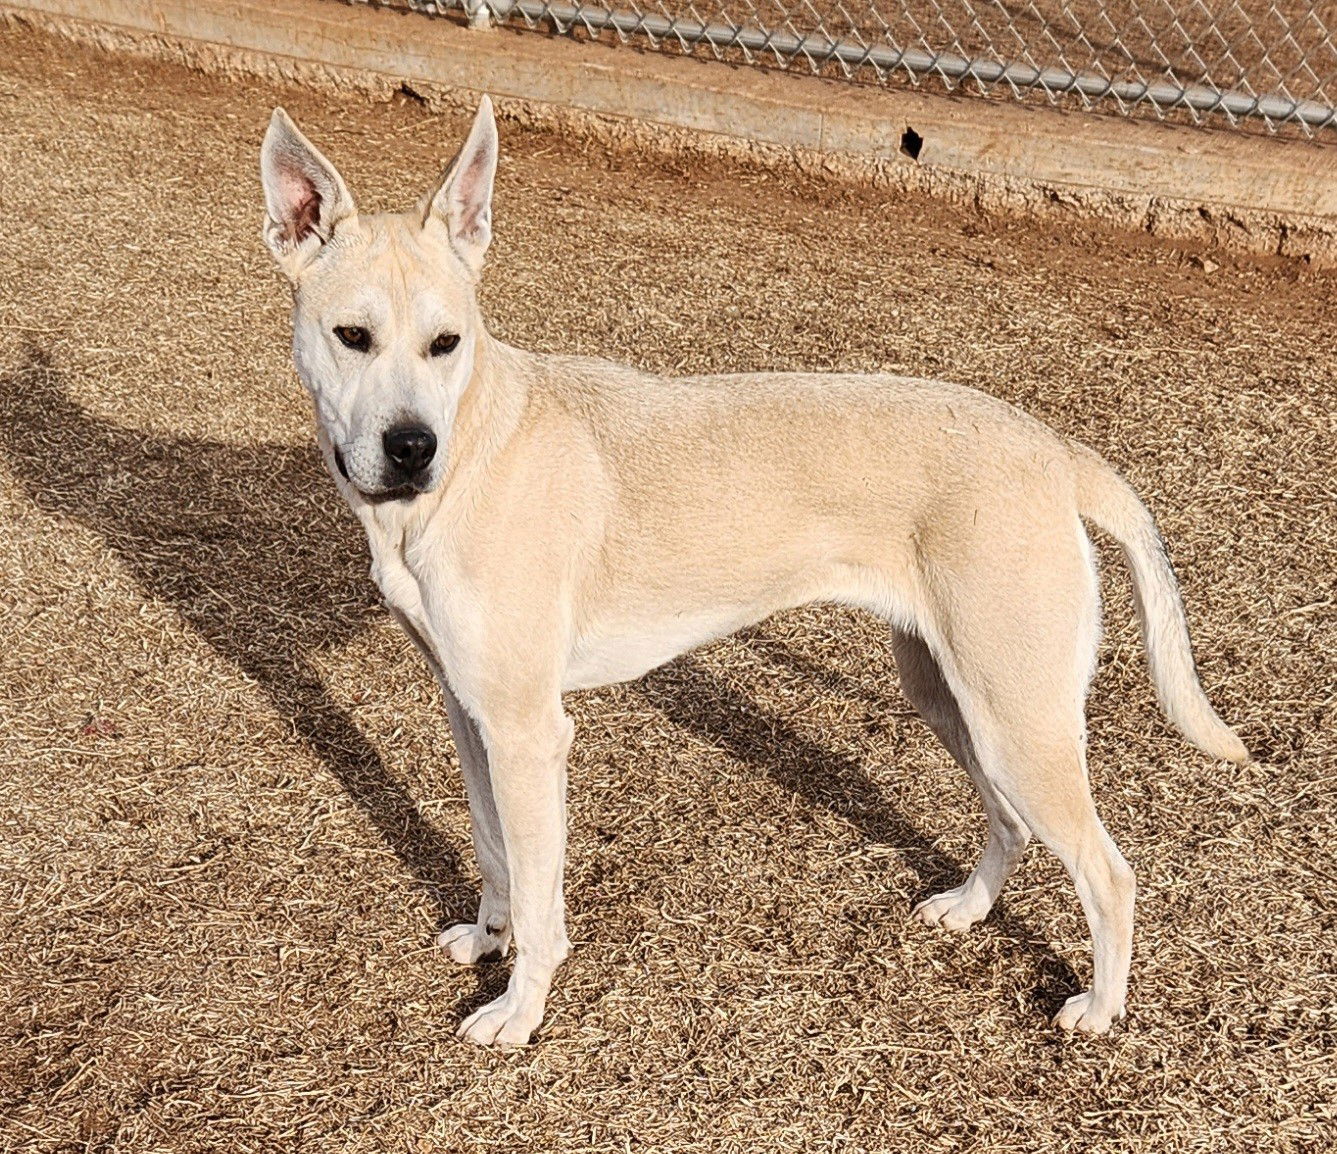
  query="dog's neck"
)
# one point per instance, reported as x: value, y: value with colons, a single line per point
x: 488, y: 414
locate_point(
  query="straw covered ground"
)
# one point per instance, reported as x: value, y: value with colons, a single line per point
x: 231, y: 817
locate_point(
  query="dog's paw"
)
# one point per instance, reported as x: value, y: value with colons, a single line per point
x: 1085, y: 1015
x: 468, y: 943
x: 957, y: 909
x: 509, y: 1021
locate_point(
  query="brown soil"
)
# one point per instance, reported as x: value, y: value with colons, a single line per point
x: 231, y: 822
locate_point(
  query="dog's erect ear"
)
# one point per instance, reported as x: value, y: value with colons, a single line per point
x: 463, y: 200
x: 305, y: 198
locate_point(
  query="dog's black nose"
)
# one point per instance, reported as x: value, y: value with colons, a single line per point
x: 410, y: 448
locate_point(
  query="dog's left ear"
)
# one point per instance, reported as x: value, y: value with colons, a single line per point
x: 463, y: 200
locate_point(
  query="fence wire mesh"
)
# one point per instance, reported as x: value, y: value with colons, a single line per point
x: 1248, y: 63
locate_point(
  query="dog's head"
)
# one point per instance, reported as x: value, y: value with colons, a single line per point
x: 385, y: 315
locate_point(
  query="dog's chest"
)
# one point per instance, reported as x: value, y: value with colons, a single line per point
x: 392, y: 567
x: 428, y: 590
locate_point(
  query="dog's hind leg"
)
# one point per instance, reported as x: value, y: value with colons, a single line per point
x: 923, y: 684
x: 1019, y: 659
x: 1043, y: 776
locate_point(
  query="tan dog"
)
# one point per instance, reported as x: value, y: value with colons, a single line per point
x: 540, y: 524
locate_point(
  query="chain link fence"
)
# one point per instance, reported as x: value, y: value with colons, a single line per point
x: 1257, y: 64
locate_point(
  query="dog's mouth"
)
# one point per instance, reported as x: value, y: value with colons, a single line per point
x: 403, y: 493
x: 379, y: 496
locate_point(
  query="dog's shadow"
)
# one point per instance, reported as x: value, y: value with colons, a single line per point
x: 712, y: 706
x: 252, y: 548
x: 241, y: 543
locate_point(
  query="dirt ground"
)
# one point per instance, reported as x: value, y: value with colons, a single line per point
x: 231, y: 818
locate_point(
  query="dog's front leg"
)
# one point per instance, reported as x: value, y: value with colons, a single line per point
x: 527, y: 757
x: 490, y: 936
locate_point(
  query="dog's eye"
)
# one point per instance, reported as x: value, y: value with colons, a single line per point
x: 444, y: 344
x: 353, y: 337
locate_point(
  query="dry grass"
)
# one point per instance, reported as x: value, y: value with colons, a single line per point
x: 230, y: 819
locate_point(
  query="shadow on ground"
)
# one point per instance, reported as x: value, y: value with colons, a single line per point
x: 248, y: 545
x: 233, y: 538
x: 708, y: 705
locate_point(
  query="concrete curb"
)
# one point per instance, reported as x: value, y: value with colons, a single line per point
x: 1234, y: 190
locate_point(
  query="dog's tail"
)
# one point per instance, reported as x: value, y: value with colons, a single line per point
x: 1109, y: 501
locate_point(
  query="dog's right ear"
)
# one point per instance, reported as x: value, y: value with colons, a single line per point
x: 305, y: 197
